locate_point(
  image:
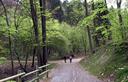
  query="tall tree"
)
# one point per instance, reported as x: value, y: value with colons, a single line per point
x: 100, y: 20
x: 88, y: 29
x: 9, y: 36
x: 37, y: 50
x: 43, y: 22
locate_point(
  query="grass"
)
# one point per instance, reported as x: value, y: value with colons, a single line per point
x: 52, y: 65
x: 106, y: 62
x: 11, y: 81
x: 97, y: 61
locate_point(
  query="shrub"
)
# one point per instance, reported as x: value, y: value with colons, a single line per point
x: 2, y: 60
x: 122, y: 74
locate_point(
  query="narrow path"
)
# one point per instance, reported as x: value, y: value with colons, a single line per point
x: 71, y: 72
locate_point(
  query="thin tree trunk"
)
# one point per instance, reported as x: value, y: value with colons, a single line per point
x: 90, y: 39
x: 84, y: 43
x: 33, y: 57
x: 10, y: 48
x: 27, y: 56
x: 18, y: 58
x: 60, y: 13
x: 9, y: 38
x: 15, y: 44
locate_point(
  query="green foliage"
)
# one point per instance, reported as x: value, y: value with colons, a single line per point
x: 98, y: 23
x: 122, y: 74
x: 77, y: 36
x: 108, y: 62
x: 122, y: 48
x: 3, y: 51
x: 56, y: 39
x: 73, y: 12
x: 98, y: 60
x: 115, y: 29
x: 62, y: 39
x: 2, y: 60
x: 58, y: 42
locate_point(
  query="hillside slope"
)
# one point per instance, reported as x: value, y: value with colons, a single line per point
x: 108, y: 62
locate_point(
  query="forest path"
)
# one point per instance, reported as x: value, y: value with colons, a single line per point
x: 71, y: 72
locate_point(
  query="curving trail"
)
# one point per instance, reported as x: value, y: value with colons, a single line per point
x: 71, y: 72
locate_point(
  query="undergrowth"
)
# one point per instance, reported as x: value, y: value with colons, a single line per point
x: 110, y: 61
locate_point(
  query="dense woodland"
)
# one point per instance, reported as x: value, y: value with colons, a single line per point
x: 42, y: 30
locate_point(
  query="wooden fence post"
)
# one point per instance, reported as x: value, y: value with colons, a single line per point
x: 37, y: 73
x: 19, y: 78
x: 47, y: 72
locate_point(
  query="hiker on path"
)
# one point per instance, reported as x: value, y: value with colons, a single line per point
x: 70, y: 58
x: 65, y: 58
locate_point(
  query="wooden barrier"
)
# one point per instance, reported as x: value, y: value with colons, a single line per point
x: 20, y: 76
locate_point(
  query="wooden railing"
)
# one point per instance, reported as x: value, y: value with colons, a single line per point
x: 37, y: 74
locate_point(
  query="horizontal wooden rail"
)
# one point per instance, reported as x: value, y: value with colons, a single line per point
x: 12, y: 77
x: 44, y: 73
x: 30, y: 73
x: 44, y: 66
x: 20, y: 76
x: 34, y: 79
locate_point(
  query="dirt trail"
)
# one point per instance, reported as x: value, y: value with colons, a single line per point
x: 71, y: 72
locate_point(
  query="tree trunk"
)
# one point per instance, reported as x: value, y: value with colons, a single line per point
x: 33, y: 57
x: 27, y: 56
x: 43, y: 21
x: 90, y: 39
x: 9, y: 38
x: 10, y: 48
x: 88, y: 29
x: 84, y: 43
x: 18, y: 58
x: 35, y: 25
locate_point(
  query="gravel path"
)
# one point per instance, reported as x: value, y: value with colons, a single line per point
x: 71, y: 72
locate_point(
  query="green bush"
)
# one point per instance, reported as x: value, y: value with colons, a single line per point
x: 122, y: 74
x: 122, y: 49
x: 109, y: 60
x: 3, y: 51
x: 2, y: 60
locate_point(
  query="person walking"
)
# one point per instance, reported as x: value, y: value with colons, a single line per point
x: 65, y: 58
x: 70, y: 58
